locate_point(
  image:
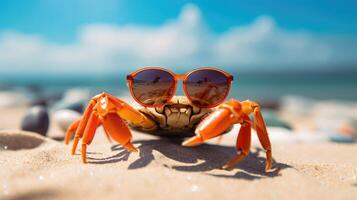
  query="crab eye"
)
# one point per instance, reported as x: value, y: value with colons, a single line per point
x: 103, y: 103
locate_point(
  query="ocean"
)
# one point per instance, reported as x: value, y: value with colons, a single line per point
x: 259, y: 87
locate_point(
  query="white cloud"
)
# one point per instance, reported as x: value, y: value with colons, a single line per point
x: 185, y: 41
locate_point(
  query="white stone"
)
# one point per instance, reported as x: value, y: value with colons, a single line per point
x: 65, y: 117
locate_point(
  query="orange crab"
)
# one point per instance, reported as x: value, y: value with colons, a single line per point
x: 161, y: 113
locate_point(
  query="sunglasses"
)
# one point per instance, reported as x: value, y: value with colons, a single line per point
x: 155, y: 86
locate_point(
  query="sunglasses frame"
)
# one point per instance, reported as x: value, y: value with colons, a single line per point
x: 176, y: 78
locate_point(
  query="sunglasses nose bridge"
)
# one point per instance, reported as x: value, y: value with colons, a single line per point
x: 180, y: 76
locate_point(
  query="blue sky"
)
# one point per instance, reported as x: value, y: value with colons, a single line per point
x: 59, y: 20
x: 87, y: 36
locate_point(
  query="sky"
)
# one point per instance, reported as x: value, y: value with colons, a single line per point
x: 88, y: 37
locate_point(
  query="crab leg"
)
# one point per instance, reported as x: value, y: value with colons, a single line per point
x: 71, y: 129
x: 82, y: 125
x: 89, y: 133
x: 263, y: 136
x: 243, y: 145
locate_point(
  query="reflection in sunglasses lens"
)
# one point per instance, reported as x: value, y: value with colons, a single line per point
x: 207, y: 87
x: 153, y: 86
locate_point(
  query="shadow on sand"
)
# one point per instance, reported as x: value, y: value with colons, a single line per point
x: 36, y: 194
x: 203, y: 158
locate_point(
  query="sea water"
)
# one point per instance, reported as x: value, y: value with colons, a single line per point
x: 269, y: 86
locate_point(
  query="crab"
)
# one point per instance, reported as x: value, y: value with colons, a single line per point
x: 179, y: 118
x: 199, y: 115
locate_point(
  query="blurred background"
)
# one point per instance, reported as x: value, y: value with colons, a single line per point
x: 273, y: 49
x: 307, y: 49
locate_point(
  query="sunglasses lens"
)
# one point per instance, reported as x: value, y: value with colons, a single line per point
x: 207, y: 87
x: 153, y: 86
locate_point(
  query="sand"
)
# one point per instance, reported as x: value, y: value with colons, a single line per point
x: 34, y: 167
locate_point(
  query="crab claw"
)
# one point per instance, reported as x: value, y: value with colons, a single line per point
x: 213, y: 125
x: 225, y: 116
x: 193, y: 141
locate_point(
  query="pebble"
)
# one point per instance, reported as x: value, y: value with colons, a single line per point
x: 39, y: 102
x: 65, y: 117
x: 75, y: 106
x: 73, y: 99
x: 36, y: 120
x: 339, y: 138
x: 76, y: 95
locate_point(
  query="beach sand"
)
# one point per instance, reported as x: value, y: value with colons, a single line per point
x: 34, y: 167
